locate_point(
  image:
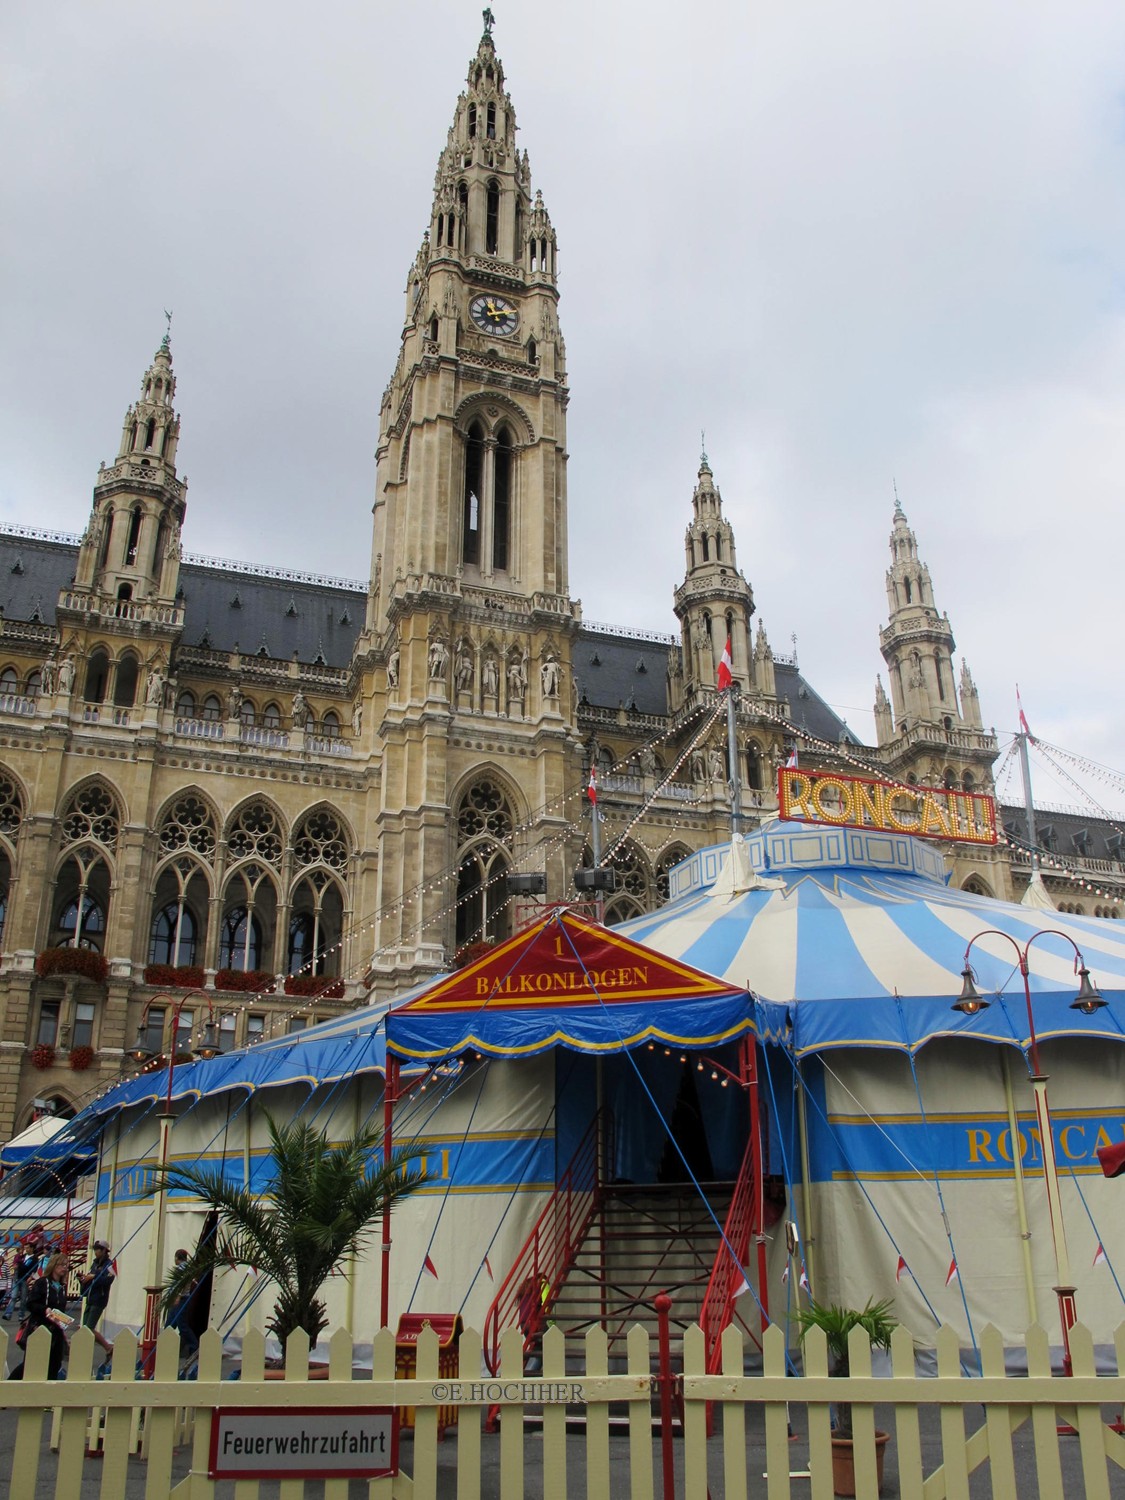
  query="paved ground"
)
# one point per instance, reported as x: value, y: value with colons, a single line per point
x: 755, y: 1464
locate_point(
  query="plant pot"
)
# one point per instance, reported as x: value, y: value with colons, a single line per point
x: 843, y: 1463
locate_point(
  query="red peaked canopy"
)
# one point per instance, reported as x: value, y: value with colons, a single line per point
x: 565, y: 982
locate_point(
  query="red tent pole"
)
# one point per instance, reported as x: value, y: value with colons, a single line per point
x: 758, y: 1206
x: 390, y: 1094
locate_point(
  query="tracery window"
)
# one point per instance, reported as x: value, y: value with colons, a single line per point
x: 91, y: 813
x: 489, y: 498
x: 634, y: 885
x: 173, y: 936
x: 240, y: 940
x: 319, y: 838
x: 256, y: 832
x: 668, y: 861
x: 188, y: 824
x: 484, y: 828
x: 11, y: 807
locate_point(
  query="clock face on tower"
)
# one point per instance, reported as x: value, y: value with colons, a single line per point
x: 494, y: 314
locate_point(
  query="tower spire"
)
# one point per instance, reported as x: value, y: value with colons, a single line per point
x: 131, y: 547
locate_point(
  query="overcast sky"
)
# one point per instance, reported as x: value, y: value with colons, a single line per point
x: 858, y: 244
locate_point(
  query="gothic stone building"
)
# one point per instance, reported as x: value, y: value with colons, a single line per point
x: 265, y: 796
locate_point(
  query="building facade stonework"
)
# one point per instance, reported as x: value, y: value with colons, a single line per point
x: 265, y: 796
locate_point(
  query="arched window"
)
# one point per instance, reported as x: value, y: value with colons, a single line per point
x: 492, y: 217
x: 706, y: 548
x: 212, y: 709
x: 307, y: 945
x: 173, y: 936
x: 502, y: 501
x: 246, y: 711
x: 134, y: 536
x: 9, y: 680
x: 668, y: 861
x: 484, y: 827
x: 472, y: 121
x: 97, y: 676
x: 81, y: 923
x: 34, y: 683
x: 330, y: 726
x: 634, y: 895
x: 125, y: 683
x: 754, y: 766
x: 491, y: 127
x: 271, y: 716
x: 150, y: 432
x: 240, y: 940
x: 474, y: 477
x: 185, y: 704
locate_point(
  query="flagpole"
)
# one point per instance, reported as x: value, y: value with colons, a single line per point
x: 735, y: 782
x: 595, y: 835
x: 1023, y: 734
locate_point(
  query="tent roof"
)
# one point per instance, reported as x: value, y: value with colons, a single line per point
x: 47, y: 1140
x: 565, y: 982
x: 849, y: 938
x: 343, y: 1047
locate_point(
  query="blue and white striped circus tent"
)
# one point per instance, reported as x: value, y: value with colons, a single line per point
x: 890, y: 1115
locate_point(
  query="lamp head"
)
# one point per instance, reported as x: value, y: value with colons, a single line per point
x: 1087, y: 1000
x: 970, y: 1000
x: 140, y: 1051
x: 209, y: 1044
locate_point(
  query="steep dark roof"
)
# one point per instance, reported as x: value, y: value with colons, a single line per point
x: 224, y: 607
x: 621, y: 671
x: 1074, y: 834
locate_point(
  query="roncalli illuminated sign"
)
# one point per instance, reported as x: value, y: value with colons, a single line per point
x: 927, y: 812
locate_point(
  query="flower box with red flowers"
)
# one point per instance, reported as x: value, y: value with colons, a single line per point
x: 82, y: 961
x: 43, y: 1056
x: 175, y: 976
x: 81, y: 1058
x: 244, y: 981
x: 314, y: 984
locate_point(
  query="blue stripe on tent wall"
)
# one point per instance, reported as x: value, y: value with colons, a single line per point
x: 480, y: 1163
x: 827, y: 957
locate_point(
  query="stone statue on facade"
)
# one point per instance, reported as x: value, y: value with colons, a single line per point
x: 438, y: 657
x: 392, y: 667
x: 490, y: 677
x: 66, y: 675
x: 49, y: 676
x: 300, y: 710
x: 550, y: 675
x: 464, y: 669
x: 517, y: 677
x: 357, y: 718
x: 648, y: 760
x: 154, y: 691
x: 234, y: 702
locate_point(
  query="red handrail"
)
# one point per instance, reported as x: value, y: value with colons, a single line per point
x: 727, y: 1273
x: 536, y: 1276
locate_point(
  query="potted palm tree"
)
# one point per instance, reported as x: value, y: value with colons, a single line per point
x: 878, y: 1322
x: 322, y: 1200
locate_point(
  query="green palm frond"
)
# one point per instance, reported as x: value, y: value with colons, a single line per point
x: 321, y: 1201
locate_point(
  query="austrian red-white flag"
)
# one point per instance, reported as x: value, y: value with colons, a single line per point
x: 724, y: 677
x: 953, y: 1273
x: 1099, y: 1255
x: 743, y: 1286
x: 791, y: 763
x: 1024, y: 725
x: 804, y: 1281
x: 429, y: 1267
x: 592, y: 788
x: 900, y: 1269
x: 785, y: 1274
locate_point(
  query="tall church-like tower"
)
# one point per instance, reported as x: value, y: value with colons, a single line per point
x: 466, y: 654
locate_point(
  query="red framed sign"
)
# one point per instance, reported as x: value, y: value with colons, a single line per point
x: 303, y: 1442
x: 927, y: 812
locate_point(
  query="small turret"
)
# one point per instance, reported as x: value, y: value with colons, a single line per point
x: 131, y: 547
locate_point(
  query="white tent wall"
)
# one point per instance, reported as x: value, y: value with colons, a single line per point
x: 488, y: 1158
x: 957, y: 1120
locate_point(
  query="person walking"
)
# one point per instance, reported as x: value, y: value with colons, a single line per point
x: 27, y: 1258
x: 96, y: 1283
x: 180, y: 1313
x: 46, y: 1308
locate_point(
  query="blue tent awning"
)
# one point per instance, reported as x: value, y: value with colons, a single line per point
x: 851, y: 939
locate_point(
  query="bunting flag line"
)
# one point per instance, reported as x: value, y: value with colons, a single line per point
x: 743, y: 1286
x: 804, y: 1281
x: 953, y: 1274
x: 900, y: 1268
x: 785, y: 1274
x: 724, y: 679
x: 488, y: 1268
x: 429, y: 1267
x: 1099, y: 1255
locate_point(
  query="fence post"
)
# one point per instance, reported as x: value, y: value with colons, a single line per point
x: 663, y: 1308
